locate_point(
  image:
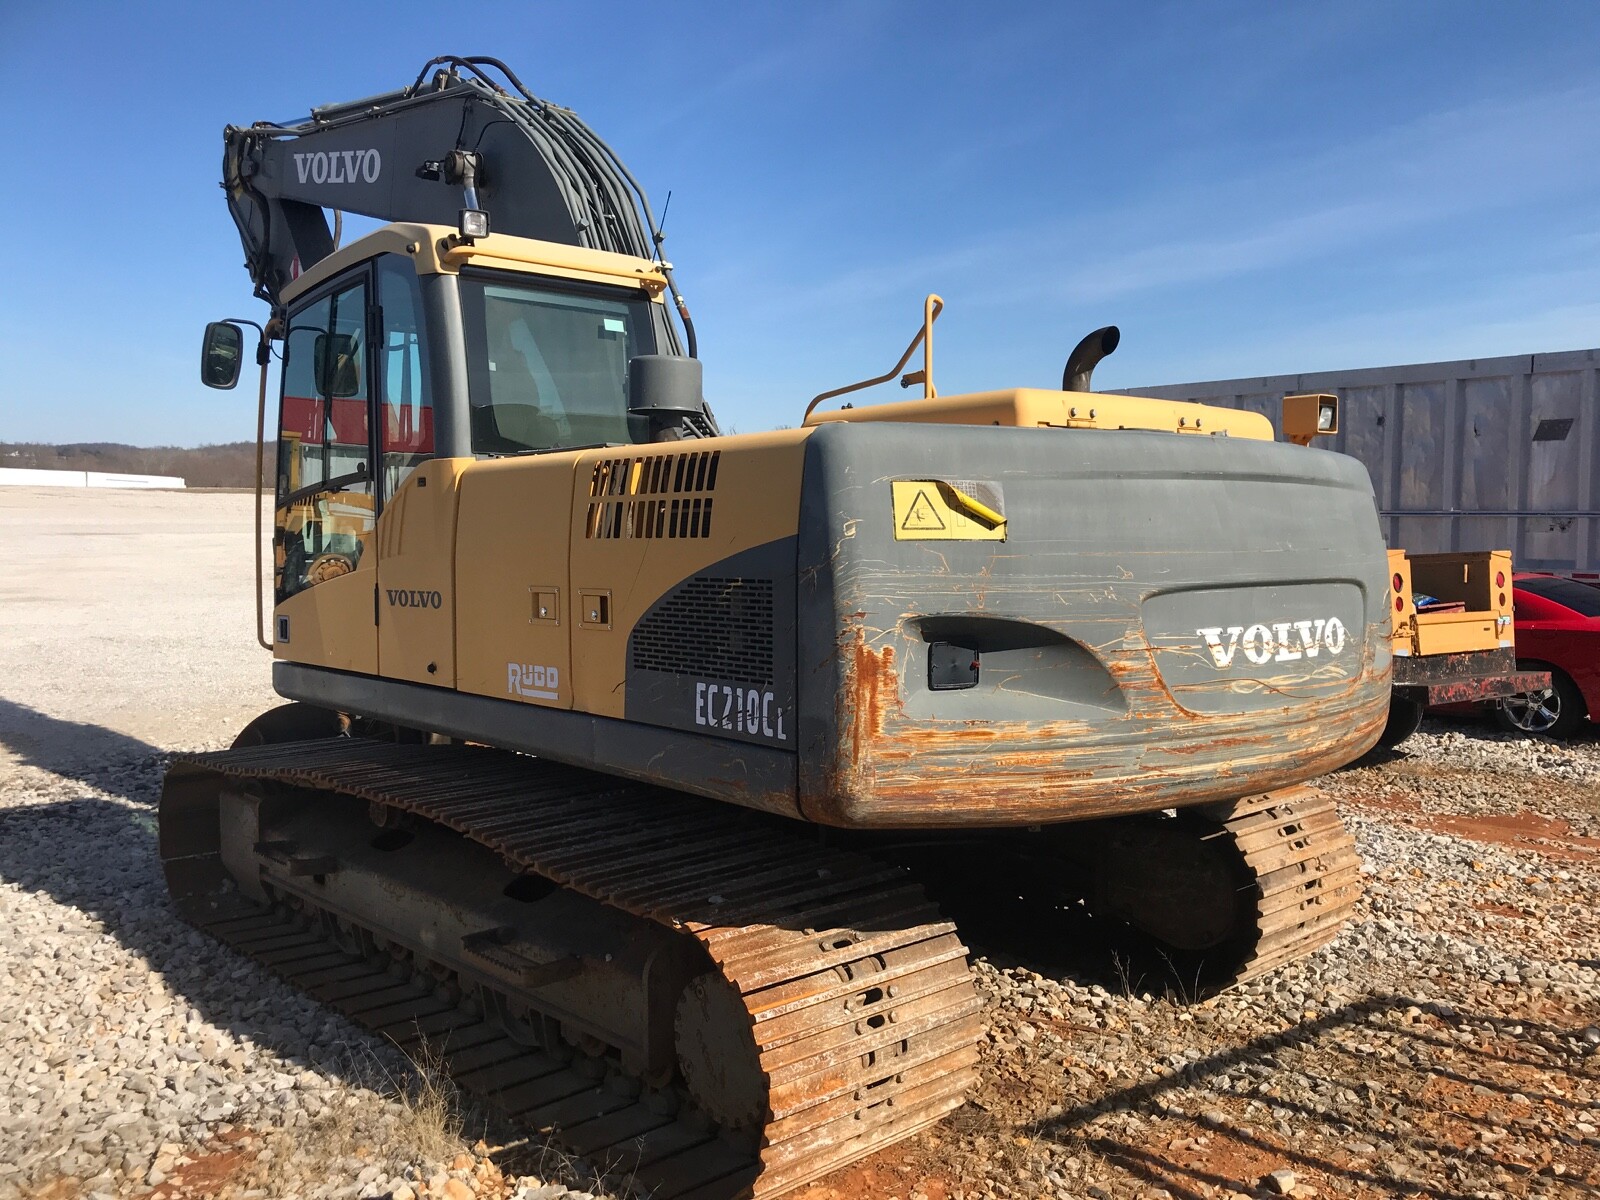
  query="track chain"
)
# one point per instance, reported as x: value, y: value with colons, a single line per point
x: 1305, y: 871
x: 857, y: 993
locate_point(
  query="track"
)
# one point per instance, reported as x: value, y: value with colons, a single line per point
x: 1200, y: 900
x: 852, y: 993
x: 847, y: 1020
x: 1305, y: 871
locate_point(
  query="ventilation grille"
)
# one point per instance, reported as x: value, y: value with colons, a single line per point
x: 677, y: 518
x: 659, y: 475
x: 710, y: 628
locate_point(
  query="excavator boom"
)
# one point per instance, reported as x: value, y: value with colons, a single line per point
x: 456, y: 140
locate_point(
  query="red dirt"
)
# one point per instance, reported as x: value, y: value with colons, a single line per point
x: 1499, y: 910
x: 1523, y: 830
x: 1549, y: 836
x: 890, y: 1174
x: 213, y: 1168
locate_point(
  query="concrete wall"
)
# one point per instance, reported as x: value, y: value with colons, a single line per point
x: 22, y: 477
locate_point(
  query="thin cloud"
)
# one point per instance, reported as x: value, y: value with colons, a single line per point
x: 1443, y: 166
x: 796, y: 54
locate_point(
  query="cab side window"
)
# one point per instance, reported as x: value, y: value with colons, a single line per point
x: 325, y: 507
x: 407, y: 404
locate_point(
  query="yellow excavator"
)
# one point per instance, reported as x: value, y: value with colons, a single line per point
x: 638, y: 767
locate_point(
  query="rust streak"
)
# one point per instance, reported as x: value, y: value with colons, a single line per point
x: 876, y: 687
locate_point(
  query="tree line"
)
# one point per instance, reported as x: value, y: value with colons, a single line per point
x: 228, y: 465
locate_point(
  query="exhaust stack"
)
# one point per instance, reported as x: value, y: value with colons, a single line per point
x: 1086, y: 355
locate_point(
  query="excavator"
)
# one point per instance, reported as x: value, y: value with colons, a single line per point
x: 635, y: 767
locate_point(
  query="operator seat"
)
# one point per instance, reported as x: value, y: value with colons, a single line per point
x: 512, y: 421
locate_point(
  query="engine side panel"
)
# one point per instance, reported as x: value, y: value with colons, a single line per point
x: 646, y: 522
x: 512, y: 580
x: 715, y: 654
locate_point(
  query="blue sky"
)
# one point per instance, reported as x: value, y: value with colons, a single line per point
x: 1245, y: 188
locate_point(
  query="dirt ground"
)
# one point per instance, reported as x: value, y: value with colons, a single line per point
x: 1446, y: 1046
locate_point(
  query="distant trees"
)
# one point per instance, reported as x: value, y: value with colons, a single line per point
x: 229, y: 465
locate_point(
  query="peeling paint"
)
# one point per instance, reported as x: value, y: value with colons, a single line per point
x: 895, y: 770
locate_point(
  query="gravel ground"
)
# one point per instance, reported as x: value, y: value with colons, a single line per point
x: 138, y: 1057
x: 1447, y: 1045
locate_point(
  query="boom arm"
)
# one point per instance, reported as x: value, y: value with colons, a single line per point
x: 536, y: 168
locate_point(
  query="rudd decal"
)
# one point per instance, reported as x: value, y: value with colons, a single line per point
x: 339, y: 166
x: 1282, y: 641
x: 536, y: 681
x: 411, y: 598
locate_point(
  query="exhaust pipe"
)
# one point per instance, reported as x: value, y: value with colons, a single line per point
x: 1086, y: 355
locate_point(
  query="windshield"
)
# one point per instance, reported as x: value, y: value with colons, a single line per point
x: 549, y: 367
x: 1579, y: 597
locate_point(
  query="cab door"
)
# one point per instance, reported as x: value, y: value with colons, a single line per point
x: 416, y: 533
x: 326, y: 503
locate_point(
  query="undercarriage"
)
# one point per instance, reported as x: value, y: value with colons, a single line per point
x: 699, y: 999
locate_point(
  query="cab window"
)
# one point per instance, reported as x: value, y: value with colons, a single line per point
x: 548, y: 367
x: 407, y: 403
x: 325, y: 506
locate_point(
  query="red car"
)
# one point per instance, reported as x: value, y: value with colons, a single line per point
x: 1558, y: 629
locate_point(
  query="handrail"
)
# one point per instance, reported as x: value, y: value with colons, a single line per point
x: 263, y: 356
x: 931, y: 308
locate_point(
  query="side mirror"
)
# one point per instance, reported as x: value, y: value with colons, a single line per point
x: 337, y: 360
x: 221, y: 355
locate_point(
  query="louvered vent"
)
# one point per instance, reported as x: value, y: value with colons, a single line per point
x: 657, y: 496
x: 710, y: 628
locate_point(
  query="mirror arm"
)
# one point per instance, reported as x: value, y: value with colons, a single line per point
x: 263, y: 360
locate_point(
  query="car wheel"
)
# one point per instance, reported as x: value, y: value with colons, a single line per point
x: 1404, y: 717
x: 1555, y: 712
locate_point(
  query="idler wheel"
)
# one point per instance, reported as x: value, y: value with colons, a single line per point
x: 290, y: 723
x: 717, y: 1053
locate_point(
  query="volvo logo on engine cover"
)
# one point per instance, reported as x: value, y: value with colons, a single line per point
x: 1282, y: 641
x: 339, y: 166
x: 411, y: 598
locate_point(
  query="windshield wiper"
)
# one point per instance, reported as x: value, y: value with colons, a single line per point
x: 337, y: 484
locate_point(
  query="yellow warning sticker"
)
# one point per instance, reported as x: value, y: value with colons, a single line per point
x: 931, y: 510
x: 922, y: 516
